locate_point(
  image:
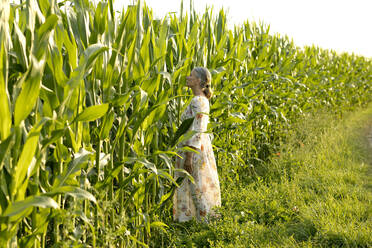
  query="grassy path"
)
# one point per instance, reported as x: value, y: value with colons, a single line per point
x: 317, y: 193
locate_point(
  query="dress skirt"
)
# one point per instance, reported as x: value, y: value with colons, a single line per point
x: 199, y: 198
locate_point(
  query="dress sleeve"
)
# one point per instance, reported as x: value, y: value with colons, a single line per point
x: 200, y: 110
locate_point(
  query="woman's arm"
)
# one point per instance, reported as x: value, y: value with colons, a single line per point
x: 199, y: 106
x: 188, y: 162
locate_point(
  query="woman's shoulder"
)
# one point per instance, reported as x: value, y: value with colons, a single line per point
x: 200, y: 101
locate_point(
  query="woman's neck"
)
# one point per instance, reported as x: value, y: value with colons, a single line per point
x: 197, y: 91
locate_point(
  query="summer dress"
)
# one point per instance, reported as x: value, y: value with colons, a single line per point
x: 197, y: 200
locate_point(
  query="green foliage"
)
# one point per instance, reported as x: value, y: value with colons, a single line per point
x: 90, y: 105
x: 311, y: 202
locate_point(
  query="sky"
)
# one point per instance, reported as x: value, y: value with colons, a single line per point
x: 340, y: 25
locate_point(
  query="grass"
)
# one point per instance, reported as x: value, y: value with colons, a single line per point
x: 317, y: 193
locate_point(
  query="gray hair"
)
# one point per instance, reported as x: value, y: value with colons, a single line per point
x: 205, y: 80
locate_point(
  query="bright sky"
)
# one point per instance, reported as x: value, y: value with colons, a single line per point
x: 341, y: 25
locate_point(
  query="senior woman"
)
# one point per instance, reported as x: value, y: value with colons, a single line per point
x: 197, y: 199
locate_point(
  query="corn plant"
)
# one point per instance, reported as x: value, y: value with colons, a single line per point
x: 90, y: 110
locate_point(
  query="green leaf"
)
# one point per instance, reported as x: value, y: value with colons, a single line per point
x: 100, y: 17
x: 72, y: 139
x: 81, y: 194
x: 236, y: 118
x: 27, y: 155
x: 167, y: 76
x: 87, y: 60
x: 5, y: 147
x: 20, y: 46
x: 166, y: 175
x: 17, y: 209
x: 30, y: 91
x: 47, y: 26
x: 91, y: 54
x: 107, y: 125
x: 186, y: 124
x: 158, y: 224
x: 137, y: 241
x: 6, y: 118
x: 93, y: 112
x: 73, y: 191
x: 149, y: 165
x: 72, y: 50
x: 55, y: 135
x: 55, y: 62
x: 108, y: 178
x: 166, y: 197
x: 121, y: 100
x: 75, y: 165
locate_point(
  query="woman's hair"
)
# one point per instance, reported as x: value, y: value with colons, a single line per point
x: 205, y: 80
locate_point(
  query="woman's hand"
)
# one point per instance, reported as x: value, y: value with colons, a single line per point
x: 188, y: 162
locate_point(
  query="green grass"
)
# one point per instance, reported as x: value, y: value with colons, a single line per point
x: 316, y: 193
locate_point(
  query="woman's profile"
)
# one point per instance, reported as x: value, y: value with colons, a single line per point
x: 198, y: 199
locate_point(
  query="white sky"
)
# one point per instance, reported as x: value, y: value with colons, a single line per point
x: 341, y: 25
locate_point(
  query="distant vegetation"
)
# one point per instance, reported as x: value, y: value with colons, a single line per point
x: 90, y: 104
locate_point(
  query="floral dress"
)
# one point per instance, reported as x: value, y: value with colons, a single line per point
x: 198, y: 199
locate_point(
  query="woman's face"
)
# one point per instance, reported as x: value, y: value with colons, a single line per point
x: 192, y: 80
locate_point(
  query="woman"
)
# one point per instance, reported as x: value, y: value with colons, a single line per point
x: 198, y: 199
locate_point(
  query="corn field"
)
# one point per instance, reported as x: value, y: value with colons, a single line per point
x: 90, y: 105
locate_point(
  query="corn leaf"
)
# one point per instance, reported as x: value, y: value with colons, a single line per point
x: 30, y: 91
x: 6, y: 119
x: 28, y: 152
x: 93, y: 112
x: 18, y: 209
